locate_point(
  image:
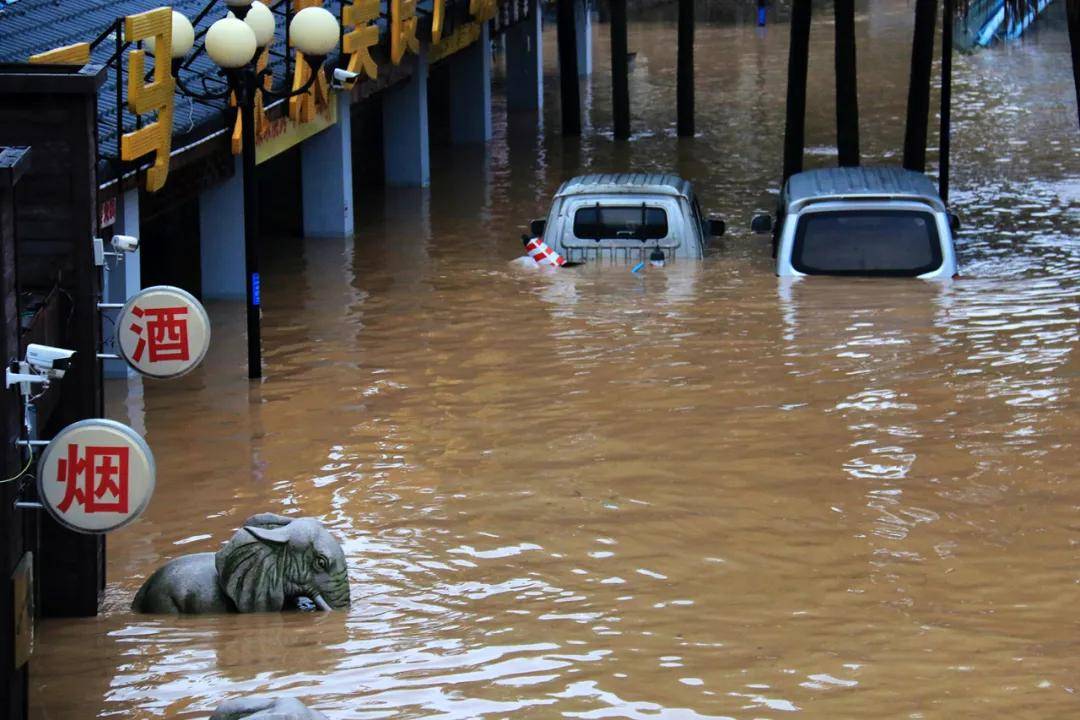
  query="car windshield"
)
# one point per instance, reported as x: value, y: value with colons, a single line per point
x: 633, y: 222
x: 867, y: 242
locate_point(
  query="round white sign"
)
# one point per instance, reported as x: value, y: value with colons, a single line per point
x: 96, y: 476
x: 163, y: 331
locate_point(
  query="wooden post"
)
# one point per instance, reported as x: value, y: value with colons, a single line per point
x: 54, y: 110
x: 570, y: 90
x: 944, y: 141
x: 684, y: 90
x: 13, y: 680
x: 918, y: 107
x: 798, y: 61
x: 1072, y: 11
x: 847, y: 95
x: 620, y: 82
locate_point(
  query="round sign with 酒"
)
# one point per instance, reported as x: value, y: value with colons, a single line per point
x: 163, y: 332
x: 96, y: 476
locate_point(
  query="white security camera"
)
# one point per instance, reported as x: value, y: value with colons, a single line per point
x: 125, y: 243
x: 343, y: 79
x: 51, y: 361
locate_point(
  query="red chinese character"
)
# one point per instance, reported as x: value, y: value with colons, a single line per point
x: 166, y: 336
x: 99, y: 476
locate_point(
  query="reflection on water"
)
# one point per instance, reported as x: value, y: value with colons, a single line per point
x: 689, y: 492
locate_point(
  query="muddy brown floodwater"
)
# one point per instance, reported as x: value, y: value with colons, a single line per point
x: 699, y: 492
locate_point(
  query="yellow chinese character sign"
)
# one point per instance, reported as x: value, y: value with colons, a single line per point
x: 438, y: 18
x: 77, y: 54
x: 303, y: 108
x: 482, y: 10
x: 261, y: 121
x: 361, y: 15
x: 402, y: 29
x: 144, y: 97
x: 153, y: 97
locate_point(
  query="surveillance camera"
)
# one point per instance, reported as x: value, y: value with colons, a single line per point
x: 52, y: 361
x: 125, y: 243
x: 343, y: 78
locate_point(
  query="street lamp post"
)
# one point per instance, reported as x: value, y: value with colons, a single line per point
x: 235, y: 43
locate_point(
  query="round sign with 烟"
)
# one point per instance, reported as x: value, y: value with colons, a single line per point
x: 163, y: 332
x: 96, y: 476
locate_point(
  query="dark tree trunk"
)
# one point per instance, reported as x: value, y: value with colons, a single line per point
x: 847, y: 95
x: 798, y: 60
x: 918, y: 107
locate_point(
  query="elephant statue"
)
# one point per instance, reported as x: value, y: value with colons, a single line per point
x: 258, y: 708
x: 268, y: 565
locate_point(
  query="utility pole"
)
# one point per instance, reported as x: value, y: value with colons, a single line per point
x: 918, y: 105
x: 798, y: 61
x: 620, y: 81
x: 570, y: 91
x: 847, y: 94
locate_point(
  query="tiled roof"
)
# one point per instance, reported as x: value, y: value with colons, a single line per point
x: 28, y: 27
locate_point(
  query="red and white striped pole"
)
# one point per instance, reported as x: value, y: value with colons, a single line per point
x: 539, y: 251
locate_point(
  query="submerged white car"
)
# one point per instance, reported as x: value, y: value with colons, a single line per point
x: 862, y: 221
x: 626, y: 217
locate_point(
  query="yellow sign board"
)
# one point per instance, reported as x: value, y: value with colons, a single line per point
x: 152, y: 97
x: 283, y: 132
x: 461, y: 38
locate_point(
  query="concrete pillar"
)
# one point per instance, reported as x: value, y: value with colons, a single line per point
x: 525, y: 63
x: 470, y: 91
x: 583, y: 25
x: 326, y: 169
x: 221, y: 237
x: 405, y: 129
x: 124, y: 275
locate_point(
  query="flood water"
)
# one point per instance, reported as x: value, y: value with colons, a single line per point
x: 695, y: 492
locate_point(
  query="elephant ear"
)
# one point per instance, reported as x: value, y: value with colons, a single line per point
x: 251, y: 569
x: 267, y: 520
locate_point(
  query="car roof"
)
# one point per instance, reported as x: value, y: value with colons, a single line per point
x: 615, y: 183
x: 860, y: 182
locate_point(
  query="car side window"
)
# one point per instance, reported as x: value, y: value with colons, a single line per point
x: 699, y: 217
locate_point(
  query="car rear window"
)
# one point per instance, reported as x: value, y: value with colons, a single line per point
x: 633, y: 222
x: 867, y: 242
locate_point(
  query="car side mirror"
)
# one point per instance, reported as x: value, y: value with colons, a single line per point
x: 761, y: 224
x: 537, y: 227
x: 954, y: 222
x: 717, y: 227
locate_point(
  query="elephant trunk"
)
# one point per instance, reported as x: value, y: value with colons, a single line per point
x: 335, y: 594
x: 331, y: 596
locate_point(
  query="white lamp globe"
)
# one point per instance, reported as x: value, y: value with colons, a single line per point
x: 230, y: 43
x: 314, y: 31
x: 261, y: 21
x: 183, y: 36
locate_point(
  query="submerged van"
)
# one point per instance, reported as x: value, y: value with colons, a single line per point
x: 626, y: 217
x: 862, y: 221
